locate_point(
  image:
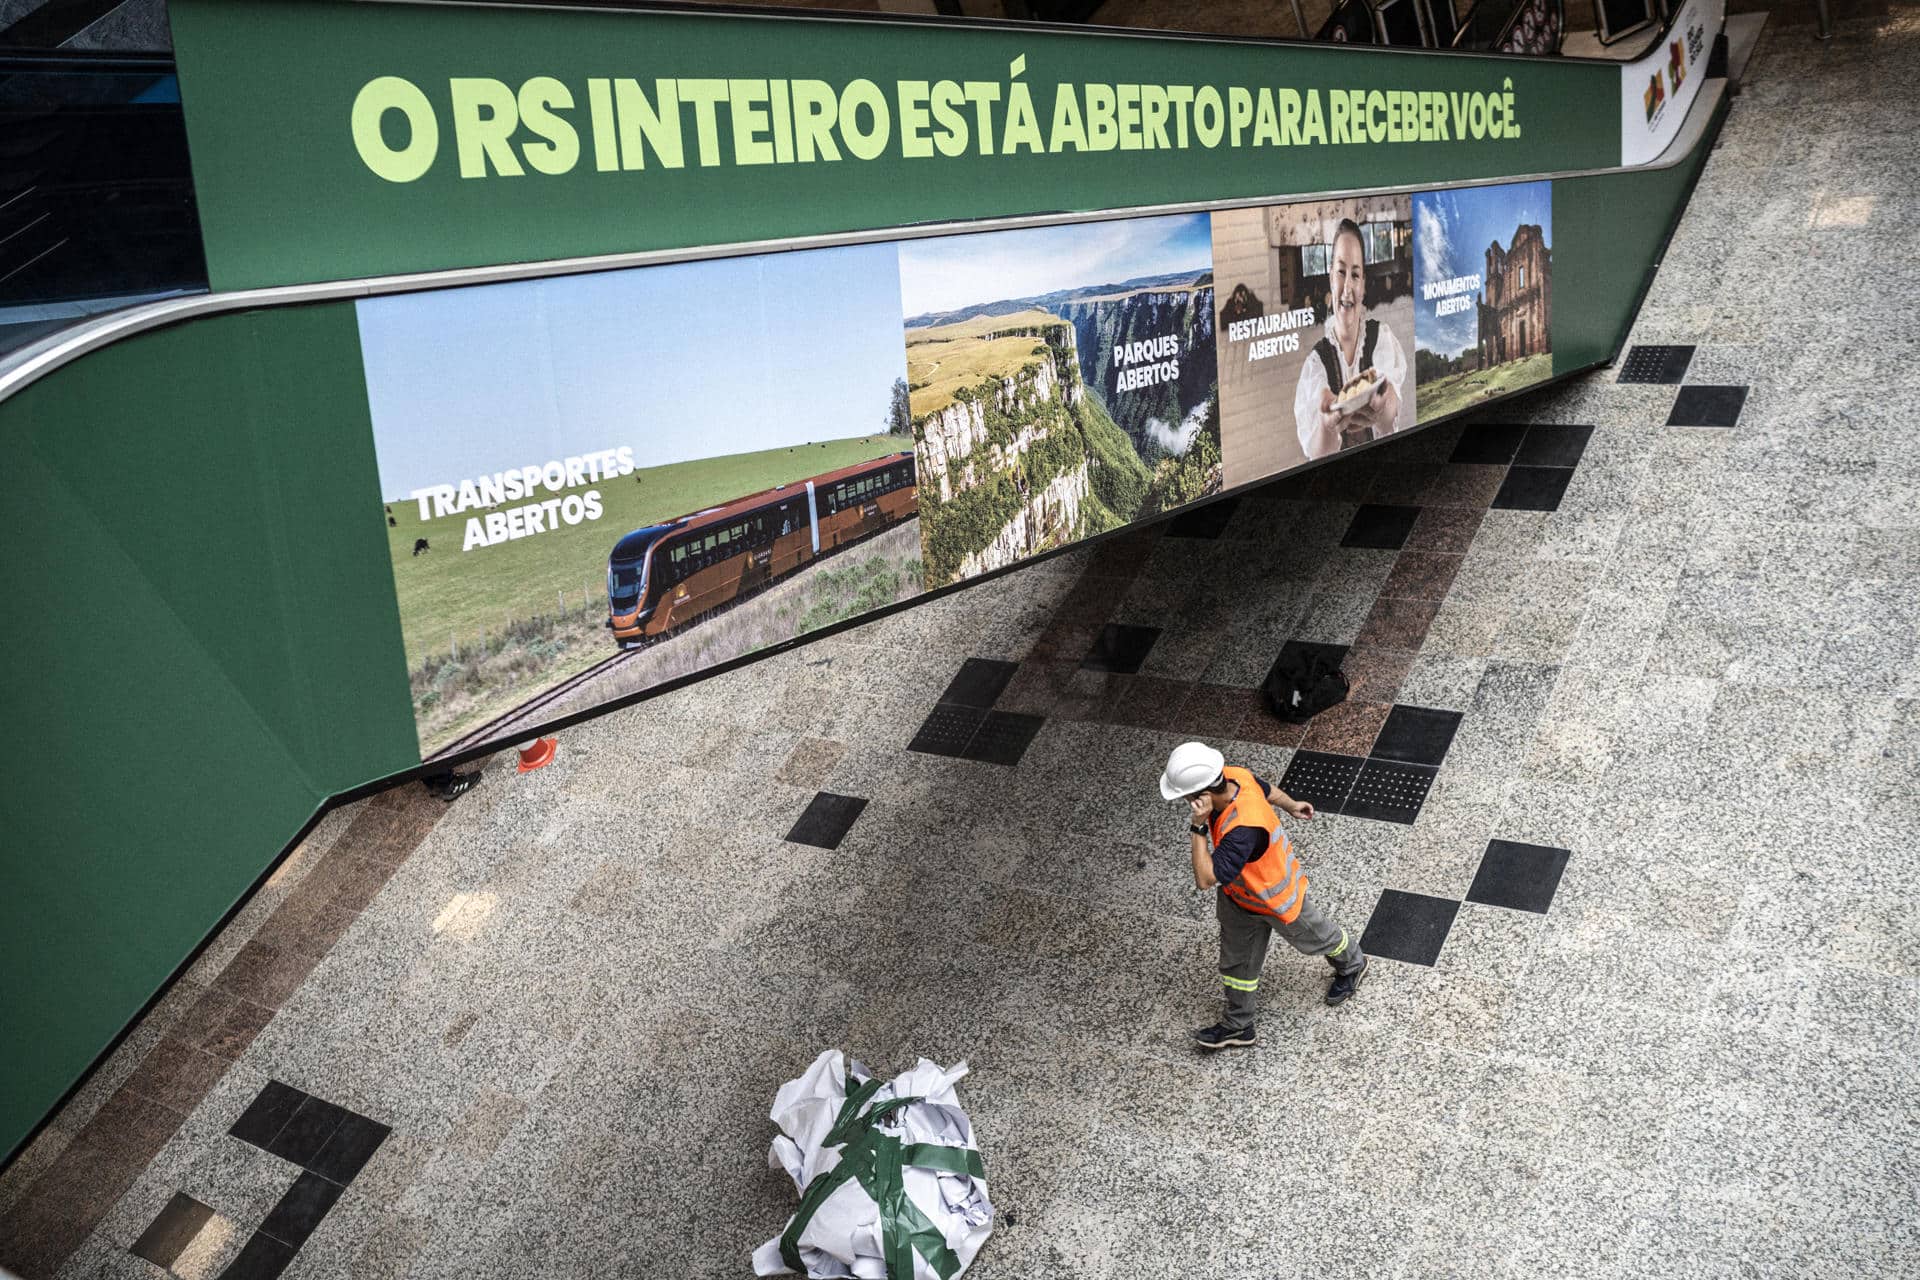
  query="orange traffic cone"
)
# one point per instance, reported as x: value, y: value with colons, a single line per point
x: 538, y: 754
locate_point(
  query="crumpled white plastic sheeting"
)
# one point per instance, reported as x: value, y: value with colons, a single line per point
x: 844, y: 1237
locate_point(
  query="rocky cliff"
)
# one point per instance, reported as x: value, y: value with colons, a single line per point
x: 1008, y: 468
x: 1043, y: 520
x: 1158, y: 418
x: 960, y: 445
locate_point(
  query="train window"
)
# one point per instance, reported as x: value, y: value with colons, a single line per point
x: 723, y: 537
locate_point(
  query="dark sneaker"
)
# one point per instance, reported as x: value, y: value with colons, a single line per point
x: 1345, y: 984
x: 1221, y: 1036
x: 458, y: 785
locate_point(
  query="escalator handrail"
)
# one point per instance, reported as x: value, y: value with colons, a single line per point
x: 26, y: 61
x: 1507, y: 29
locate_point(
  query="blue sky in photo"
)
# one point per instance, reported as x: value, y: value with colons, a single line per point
x: 687, y: 361
x: 950, y: 272
x: 1451, y: 233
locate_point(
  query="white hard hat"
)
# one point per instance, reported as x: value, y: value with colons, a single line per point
x: 1193, y: 766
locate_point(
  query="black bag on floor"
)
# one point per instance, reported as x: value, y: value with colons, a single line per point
x: 1301, y: 685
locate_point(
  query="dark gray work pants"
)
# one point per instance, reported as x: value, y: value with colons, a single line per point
x: 1244, y: 936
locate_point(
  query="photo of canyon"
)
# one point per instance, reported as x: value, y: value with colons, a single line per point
x: 1061, y: 382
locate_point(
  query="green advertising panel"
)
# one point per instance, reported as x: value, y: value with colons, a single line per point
x: 439, y: 136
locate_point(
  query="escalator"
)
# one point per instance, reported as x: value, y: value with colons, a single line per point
x: 1482, y: 26
x: 1530, y: 27
x: 98, y: 207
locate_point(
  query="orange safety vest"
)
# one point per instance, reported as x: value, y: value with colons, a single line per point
x: 1272, y: 883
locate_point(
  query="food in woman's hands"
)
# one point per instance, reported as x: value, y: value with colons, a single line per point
x: 1357, y: 391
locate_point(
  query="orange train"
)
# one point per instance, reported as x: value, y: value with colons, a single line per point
x: 665, y: 576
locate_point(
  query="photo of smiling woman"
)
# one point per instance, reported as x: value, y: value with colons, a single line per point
x: 1351, y: 387
x: 1315, y: 330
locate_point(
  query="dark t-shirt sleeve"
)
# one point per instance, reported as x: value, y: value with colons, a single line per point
x: 1242, y: 845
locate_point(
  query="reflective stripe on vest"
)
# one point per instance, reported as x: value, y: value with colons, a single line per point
x: 1271, y: 884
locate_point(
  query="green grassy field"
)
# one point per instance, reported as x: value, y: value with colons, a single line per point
x: 943, y: 359
x: 1465, y: 390
x: 450, y: 597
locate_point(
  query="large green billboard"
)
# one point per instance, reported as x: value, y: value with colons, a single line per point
x: 233, y: 617
x: 421, y: 141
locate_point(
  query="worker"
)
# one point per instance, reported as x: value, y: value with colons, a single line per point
x: 1239, y: 848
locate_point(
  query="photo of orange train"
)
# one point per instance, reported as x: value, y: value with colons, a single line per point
x: 666, y: 576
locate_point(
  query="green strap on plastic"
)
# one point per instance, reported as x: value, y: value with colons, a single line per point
x: 877, y: 1160
x: 955, y: 1160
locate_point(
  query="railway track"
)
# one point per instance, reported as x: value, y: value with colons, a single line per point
x: 500, y: 724
x: 497, y: 726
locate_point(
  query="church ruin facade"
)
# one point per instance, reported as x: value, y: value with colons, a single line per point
x: 1516, y: 307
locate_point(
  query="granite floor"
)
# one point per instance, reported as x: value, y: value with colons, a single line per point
x: 1624, y: 798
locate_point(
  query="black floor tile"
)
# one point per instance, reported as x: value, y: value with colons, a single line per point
x: 1207, y: 522
x: 980, y: 681
x: 1521, y: 876
x: 1381, y: 526
x: 1410, y: 927
x: 1416, y: 735
x: 947, y: 730
x: 824, y: 825
x: 308, y: 1131
x: 1553, y: 444
x: 1003, y: 737
x: 264, y: 1258
x: 1707, y: 406
x: 1655, y: 364
x: 301, y: 1209
x: 1489, y: 442
x: 172, y: 1231
x: 267, y: 1114
x: 1120, y: 647
x: 357, y: 1138
x: 1321, y: 778
x: 1533, y: 489
x: 1389, y: 791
